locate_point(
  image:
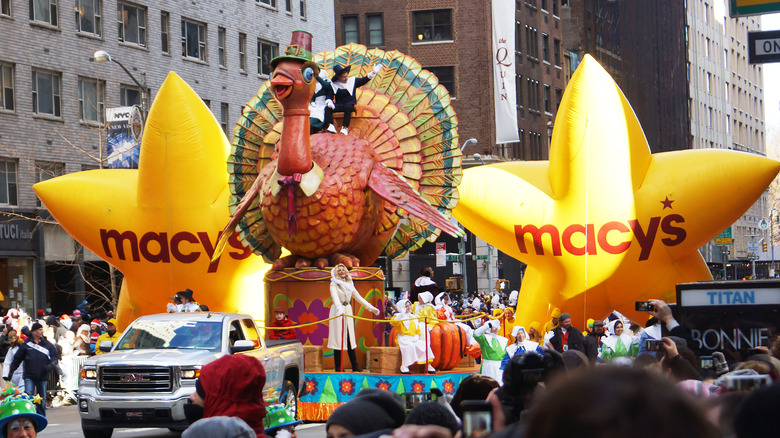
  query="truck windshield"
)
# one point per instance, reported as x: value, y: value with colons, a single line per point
x: 199, y: 335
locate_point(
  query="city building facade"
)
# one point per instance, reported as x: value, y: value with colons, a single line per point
x: 53, y: 98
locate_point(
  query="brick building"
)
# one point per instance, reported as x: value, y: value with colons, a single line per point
x: 53, y: 95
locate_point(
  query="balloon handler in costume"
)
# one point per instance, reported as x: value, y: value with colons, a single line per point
x: 342, y: 291
x: 410, y: 337
x: 521, y: 346
x: 344, y: 88
x: 18, y: 417
x: 493, y: 348
x: 426, y: 320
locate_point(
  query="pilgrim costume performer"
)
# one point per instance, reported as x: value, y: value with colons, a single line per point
x: 342, y: 291
x: 344, y: 89
x: 425, y: 283
x: 618, y: 343
x: 17, y: 414
x: 426, y: 319
x: 321, y: 105
x: 521, y: 346
x: 409, y: 337
x: 493, y: 348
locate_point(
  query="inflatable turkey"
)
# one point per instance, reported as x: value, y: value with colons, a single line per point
x: 329, y: 198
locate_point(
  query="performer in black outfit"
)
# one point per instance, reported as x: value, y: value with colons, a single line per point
x: 344, y: 88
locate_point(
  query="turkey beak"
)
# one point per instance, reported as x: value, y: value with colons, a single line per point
x: 282, y: 84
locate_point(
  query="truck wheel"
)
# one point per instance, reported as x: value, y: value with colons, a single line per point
x: 289, y: 398
x: 98, y: 433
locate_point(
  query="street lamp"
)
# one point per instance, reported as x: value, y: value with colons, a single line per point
x: 101, y: 57
x: 478, y: 157
x: 468, y: 142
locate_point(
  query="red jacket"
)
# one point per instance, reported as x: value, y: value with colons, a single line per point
x: 282, y: 334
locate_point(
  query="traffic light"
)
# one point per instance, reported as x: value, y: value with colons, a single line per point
x: 763, y: 246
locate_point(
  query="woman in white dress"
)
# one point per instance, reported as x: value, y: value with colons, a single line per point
x: 342, y: 291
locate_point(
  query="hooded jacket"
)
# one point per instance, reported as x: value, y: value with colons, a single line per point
x: 233, y: 387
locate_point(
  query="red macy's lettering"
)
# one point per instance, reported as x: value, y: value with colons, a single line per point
x: 594, y: 240
x: 162, y: 249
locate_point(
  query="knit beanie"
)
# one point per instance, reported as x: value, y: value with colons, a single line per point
x: 35, y: 326
x: 371, y: 410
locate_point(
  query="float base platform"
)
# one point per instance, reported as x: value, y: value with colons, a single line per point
x: 323, y: 392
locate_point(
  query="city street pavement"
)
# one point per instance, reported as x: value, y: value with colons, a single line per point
x: 65, y: 422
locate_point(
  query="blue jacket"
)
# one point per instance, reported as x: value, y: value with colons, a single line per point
x: 36, y: 363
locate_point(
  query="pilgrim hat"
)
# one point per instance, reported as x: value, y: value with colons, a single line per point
x: 338, y: 70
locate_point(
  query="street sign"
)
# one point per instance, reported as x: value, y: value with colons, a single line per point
x: 752, y: 246
x: 764, y: 46
x: 480, y: 257
x: 763, y: 224
x: 453, y: 257
x: 441, y: 254
x: 724, y: 238
x: 753, y: 7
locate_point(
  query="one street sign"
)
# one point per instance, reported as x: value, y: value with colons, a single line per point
x: 764, y: 46
x: 480, y: 257
x: 724, y: 238
x: 753, y: 7
x: 453, y: 257
x: 763, y: 224
x: 752, y: 246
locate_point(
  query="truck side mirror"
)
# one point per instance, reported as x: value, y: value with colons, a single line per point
x: 106, y: 346
x: 242, y: 345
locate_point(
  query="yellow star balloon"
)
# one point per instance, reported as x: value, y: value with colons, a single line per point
x: 159, y: 224
x: 605, y: 222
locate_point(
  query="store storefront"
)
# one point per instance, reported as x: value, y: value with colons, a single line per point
x: 20, y: 252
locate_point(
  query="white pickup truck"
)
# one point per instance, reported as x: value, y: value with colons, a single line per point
x: 150, y: 373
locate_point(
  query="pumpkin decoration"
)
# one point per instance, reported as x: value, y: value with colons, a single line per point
x: 448, y: 343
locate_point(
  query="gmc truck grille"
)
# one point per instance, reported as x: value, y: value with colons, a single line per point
x: 135, y: 379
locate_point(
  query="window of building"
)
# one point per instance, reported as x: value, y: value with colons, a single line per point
x: 165, y: 31
x: 433, y: 25
x: 8, y: 185
x: 46, y: 93
x: 129, y: 95
x: 534, y: 100
x: 132, y: 24
x: 547, y: 99
x: 557, y: 51
x: 531, y: 42
x: 446, y: 76
x: 302, y: 10
x: 45, y: 170
x: 546, y: 47
x: 375, y: 26
x: 266, y: 51
x: 242, y: 52
x: 91, y: 97
x: 193, y: 40
x: 223, y: 116
x: 207, y: 102
x: 558, y: 98
x: 270, y: 3
x: 518, y: 40
x: 7, y: 87
x: 555, y: 8
x: 544, y: 5
x: 5, y: 8
x: 288, y: 6
x: 519, y: 91
x: 44, y: 11
x: 88, y: 17
x: 221, y: 41
x: 349, y: 29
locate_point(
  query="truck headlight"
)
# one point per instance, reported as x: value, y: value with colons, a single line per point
x: 190, y: 374
x: 88, y: 373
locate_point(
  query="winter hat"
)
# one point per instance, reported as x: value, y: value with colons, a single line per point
x: 278, y: 416
x: 589, y: 322
x: 77, y: 313
x: 219, y: 427
x: 371, y: 410
x: 39, y: 313
x: 535, y: 325
x: 111, y: 321
x: 95, y: 321
x: 556, y: 313
x: 36, y: 326
x: 16, y: 404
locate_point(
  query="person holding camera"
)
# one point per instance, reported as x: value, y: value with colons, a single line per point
x: 39, y: 356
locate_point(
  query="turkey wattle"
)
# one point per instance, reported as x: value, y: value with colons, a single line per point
x: 331, y: 198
